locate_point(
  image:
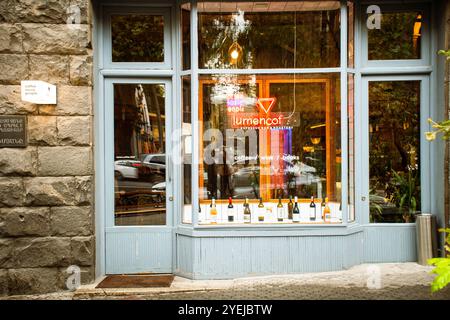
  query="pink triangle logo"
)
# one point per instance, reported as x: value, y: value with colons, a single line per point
x: 266, y: 104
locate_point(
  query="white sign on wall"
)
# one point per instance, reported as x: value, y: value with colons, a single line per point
x: 39, y: 92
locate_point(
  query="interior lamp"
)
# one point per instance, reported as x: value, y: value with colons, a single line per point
x: 235, y: 52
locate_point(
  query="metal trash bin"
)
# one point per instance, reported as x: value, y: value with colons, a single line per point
x: 426, y: 237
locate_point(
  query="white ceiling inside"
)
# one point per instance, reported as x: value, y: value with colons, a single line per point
x: 267, y: 6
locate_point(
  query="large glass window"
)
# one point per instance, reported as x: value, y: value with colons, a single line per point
x: 269, y: 138
x: 300, y: 34
x: 187, y: 148
x: 394, y: 150
x: 186, y: 35
x: 397, y: 38
x: 351, y: 145
x: 139, y: 154
x: 137, y: 38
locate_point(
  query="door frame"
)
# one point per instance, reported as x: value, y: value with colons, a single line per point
x: 362, y: 140
x: 109, y: 227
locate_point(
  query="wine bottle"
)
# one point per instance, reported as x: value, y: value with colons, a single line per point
x: 280, y: 213
x: 261, y: 210
x: 322, y: 208
x: 247, y: 212
x: 213, y: 211
x: 199, y: 212
x: 296, y: 212
x: 326, y: 212
x: 290, y: 208
x: 230, y: 210
x: 312, y: 210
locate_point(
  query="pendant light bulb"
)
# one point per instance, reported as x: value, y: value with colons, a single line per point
x: 235, y: 52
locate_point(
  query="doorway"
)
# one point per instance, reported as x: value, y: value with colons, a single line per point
x: 138, y: 175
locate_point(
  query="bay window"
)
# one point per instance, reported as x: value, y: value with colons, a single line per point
x: 279, y: 119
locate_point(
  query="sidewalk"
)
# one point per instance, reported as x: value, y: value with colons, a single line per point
x: 397, y: 281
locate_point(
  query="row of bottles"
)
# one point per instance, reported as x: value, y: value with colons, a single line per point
x: 291, y: 214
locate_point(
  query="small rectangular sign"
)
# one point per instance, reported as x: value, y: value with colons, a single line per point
x: 13, y: 131
x: 39, y: 92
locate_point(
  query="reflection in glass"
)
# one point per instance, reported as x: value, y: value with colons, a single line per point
x: 398, y: 38
x: 139, y: 154
x: 270, y: 136
x: 394, y: 152
x: 286, y: 34
x: 351, y: 147
x: 187, y: 148
x: 186, y: 35
x: 137, y: 38
x: 351, y: 34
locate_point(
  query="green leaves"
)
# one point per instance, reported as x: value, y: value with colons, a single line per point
x: 445, y: 53
x: 442, y: 265
x: 442, y: 271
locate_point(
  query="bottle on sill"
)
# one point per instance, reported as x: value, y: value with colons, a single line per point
x: 213, y: 211
x: 230, y: 210
x: 247, y: 212
x: 261, y: 210
x: 312, y: 210
x: 199, y: 212
x: 290, y: 208
x: 326, y: 212
x: 296, y: 212
x: 322, y: 208
x: 280, y: 213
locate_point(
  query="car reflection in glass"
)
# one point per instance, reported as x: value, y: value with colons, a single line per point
x: 245, y: 180
x: 141, y: 182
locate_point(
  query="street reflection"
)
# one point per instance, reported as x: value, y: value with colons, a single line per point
x: 140, y: 159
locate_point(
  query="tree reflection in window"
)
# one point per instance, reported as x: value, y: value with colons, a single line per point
x: 137, y: 38
x: 394, y: 154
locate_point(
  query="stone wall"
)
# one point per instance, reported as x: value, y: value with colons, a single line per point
x: 46, y: 189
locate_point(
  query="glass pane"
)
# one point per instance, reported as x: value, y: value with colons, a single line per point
x: 351, y: 147
x: 394, y: 150
x: 186, y: 35
x: 398, y: 38
x: 137, y: 38
x: 351, y: 34
x: 139, y: 154
x: 270, y: 137
x: 286, y: 34
x: 187, y: 149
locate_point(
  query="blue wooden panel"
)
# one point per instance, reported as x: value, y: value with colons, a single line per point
x: 230, y: 257
x: 241, y: 256
x: 185, y: 254
x: 136, y: 252
x: 390, y: 243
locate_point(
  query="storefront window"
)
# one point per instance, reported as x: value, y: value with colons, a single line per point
x: 398, y: 38
x: 186, y: 35
x: 269, y: 138
x: 351, y: 146
x: 139, y: 154
x: 394, y: 150
x: 187, y: 148
x: 137, y: 38
x: 351, y: 33
x: 247, y: 35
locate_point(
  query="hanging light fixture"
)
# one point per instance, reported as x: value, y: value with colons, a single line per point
x: 235, y: 52
x: 417, y: 30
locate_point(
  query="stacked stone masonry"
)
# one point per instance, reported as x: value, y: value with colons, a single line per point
x: 46, y: 189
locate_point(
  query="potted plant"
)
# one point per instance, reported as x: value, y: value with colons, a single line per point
x: 405, y: 193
